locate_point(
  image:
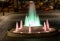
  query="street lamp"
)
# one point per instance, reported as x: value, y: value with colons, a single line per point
x: 2, y: 2
x: 15, y: 5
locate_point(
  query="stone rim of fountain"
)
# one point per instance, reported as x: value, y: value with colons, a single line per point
x: 11, y: 34
x: 53, y: 29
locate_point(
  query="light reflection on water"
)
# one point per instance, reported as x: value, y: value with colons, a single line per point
x: 42, y: 39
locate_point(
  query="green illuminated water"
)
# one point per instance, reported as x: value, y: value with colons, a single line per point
x: 32, y: 19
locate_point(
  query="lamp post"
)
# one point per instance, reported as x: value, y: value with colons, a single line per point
x: 3, y: 8
x: 2, y: 2
x: 15, y: 5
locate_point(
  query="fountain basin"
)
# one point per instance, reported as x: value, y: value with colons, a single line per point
x: 35, y: 33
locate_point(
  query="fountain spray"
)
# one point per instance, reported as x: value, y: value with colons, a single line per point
x: 21, y: 25
x: 17, y: 29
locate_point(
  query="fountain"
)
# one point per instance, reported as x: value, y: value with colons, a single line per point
x: 32, y: 19
x: 16, y: 30
x: 21, y: 25
x: 32, y: 25
x: 45, y: 28
x: 29, y: 29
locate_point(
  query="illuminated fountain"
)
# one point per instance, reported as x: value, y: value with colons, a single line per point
x: 32, y: 24
x: 21, y: 24
x: 29, y: 29
x: 45, y: 28
x: 32, y: 19
x: 16, y: 30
